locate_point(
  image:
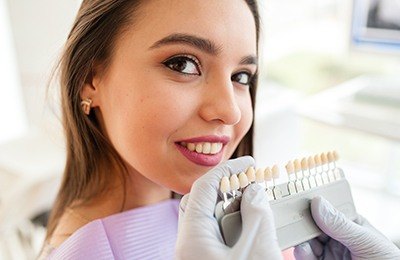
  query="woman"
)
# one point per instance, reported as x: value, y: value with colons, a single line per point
x: 155, y: 94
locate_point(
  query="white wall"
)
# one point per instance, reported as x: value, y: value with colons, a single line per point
x: 12, y: 110
x: 40, y: 29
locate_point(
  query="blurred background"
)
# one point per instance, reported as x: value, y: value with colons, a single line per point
x: 330, y: 80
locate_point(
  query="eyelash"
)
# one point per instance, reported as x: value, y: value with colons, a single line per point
x: 185, y: 57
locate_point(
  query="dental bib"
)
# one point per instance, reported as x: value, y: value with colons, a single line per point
x: 148, y: 232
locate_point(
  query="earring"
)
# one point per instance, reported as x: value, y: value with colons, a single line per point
x: 86, y: 105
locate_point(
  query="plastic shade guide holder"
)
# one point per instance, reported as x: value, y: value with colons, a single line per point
x: 290, y: 202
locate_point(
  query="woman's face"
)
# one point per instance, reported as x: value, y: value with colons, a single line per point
x: 175, y: 100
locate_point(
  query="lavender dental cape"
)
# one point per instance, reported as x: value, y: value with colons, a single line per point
x: 148, y: 232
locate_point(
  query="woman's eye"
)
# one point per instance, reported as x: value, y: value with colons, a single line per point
x: 243, y: 78
x: 183, y: 64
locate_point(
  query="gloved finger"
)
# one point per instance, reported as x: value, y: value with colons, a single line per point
x: 204, y: 192
x: 334, y: 223
x: 183, y: 203
x: 258, y: 229
x: 304, y: 252
x: 323, y: 238
x: 317, y: 247
x: 182, y: 208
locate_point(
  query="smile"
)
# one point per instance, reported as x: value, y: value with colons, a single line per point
x: 204, y: 151
x: 203, y: 148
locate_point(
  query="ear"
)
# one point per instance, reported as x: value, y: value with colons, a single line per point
x: 92, y: 86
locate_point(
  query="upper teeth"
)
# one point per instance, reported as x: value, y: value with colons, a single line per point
x: 205, y: 148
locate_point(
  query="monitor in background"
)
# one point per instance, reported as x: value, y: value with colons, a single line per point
x: 376, y: 29
x: 376, y: 25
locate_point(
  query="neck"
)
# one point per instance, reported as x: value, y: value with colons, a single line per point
x: 139, y: 192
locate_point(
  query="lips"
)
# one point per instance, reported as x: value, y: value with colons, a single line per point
x: 205, y: 150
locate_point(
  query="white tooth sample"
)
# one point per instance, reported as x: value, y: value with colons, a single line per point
x: 289, y: 168
x: 234, y: 182
x: 275, y: 172
x: 330, y: 157
x: 324, y: 158
x: 317, y: 160
x: 206, y: 148
x: 243, y: 181
x: 214, y: 148
x: 225, y: 185
x: 304, y: 164
x: 311, y: 162
x: 199, y: 148
x: 191, y: 146
x: 260, y: 176
x: 335, y: 155
x: 267, y: 174
x: 251, y: 175
x: 297, y: 165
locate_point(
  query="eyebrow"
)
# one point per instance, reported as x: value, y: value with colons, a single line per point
x: 202, y: 44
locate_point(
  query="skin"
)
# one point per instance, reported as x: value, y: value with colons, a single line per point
x: 145, y: 107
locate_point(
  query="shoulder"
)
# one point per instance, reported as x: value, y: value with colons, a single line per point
x: 89, y: 240
x: 67, y: 225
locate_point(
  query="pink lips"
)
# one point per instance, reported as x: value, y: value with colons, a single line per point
x: 203, y: 159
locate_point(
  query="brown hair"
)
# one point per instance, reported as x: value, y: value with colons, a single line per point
x: 89, y: 152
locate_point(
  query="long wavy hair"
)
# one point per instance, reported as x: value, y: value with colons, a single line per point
x: 92, y: 38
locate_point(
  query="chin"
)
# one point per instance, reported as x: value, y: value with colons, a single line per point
x: 184, y: 186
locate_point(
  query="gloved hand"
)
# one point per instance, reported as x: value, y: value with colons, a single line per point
x: 199, y: 236
x: 343, y: 238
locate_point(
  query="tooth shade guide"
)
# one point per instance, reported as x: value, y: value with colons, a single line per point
x: 324, y: 158
x: 243, y: 180
x: 225, y: 186
x: 260, y: 175
x: 234, y: 182
x: 317, y: 160
x: 275, y: 172
x: 311, y: 162
x: 304, y: 164
x: 297, y: 165
x: 289, y: 168
x: 250, y: 173
x: 335, y: 155
x: 268, y: 174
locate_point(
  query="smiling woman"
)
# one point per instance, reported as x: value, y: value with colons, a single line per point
x: 154, y: 95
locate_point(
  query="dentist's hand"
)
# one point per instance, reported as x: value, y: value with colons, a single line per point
x: 199, y: 236
x: 344, y: 238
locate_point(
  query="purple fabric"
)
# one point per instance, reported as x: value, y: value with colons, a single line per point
x: 144, y: 233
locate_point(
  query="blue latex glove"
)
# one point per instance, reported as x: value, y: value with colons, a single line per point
x: 199, y: 236
x: 343, y: 238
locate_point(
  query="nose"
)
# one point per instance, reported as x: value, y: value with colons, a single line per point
x: 220, y: 102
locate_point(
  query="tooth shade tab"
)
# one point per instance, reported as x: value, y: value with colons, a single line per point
x: 335, y: 155
x: 311, y: 162
x: 324, y: 158
x: 251, y: 175
x: 243, y: 180
x: 260, y: 176
x: 317, y: 160
x: 304, y: 164
x: 297, y: 165
x: 289, y: 167
x: 234, y: 182
x: 225, y: 185
x: 267, y: 174
x: 275, y: 172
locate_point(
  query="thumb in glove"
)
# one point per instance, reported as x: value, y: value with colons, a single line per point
x: 359, y: 237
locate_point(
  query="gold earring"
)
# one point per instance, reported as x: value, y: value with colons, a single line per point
x: 86, y: 105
